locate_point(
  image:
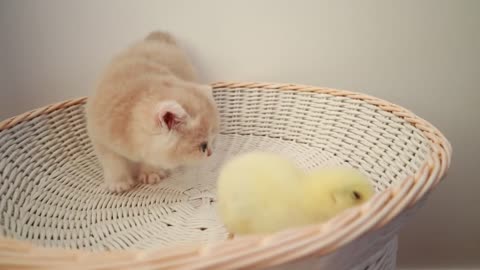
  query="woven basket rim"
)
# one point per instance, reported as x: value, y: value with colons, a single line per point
x: 255, y: 250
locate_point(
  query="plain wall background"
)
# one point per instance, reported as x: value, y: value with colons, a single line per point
x: 423, y: 55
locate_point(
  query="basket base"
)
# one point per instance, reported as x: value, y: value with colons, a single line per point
x: 381, y: 256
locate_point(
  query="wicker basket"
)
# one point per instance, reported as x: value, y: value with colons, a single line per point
x: 56, y: 215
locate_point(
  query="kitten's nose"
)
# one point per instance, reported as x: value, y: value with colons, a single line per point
x: 209, y: 152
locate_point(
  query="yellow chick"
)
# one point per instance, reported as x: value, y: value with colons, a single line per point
x: 262, y: 193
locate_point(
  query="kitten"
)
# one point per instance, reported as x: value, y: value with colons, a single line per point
x: 149, y: 114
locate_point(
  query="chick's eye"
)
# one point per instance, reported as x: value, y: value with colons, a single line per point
x: 356, y: 195
x: 203, y: 147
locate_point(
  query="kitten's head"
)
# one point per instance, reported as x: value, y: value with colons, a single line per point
x: 187, y: 129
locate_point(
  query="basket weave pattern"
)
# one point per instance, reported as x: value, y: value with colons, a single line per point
x: 52, y: 196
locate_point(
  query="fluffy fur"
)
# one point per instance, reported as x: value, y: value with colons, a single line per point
x: 149, y: 114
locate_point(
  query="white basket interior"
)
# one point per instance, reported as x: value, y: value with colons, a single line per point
x: 51, y: 183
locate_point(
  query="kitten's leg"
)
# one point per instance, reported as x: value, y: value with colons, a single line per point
x: 118, y: 172
x: 150, y: 175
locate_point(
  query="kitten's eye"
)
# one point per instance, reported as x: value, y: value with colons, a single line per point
x: 203, y: 147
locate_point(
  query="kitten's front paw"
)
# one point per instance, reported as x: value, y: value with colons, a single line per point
x: 152, y: 177
x: 119, y: 186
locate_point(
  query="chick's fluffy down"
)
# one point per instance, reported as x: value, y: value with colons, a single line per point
x: 262, y: 192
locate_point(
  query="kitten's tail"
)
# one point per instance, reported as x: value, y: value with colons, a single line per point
x: 162, y: 36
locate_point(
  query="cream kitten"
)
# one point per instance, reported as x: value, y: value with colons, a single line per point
x: 148, y: 114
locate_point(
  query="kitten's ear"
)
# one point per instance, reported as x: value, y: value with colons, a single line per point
x: 170, y: 114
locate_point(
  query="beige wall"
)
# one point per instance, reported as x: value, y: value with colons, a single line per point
x: 423, y: 55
